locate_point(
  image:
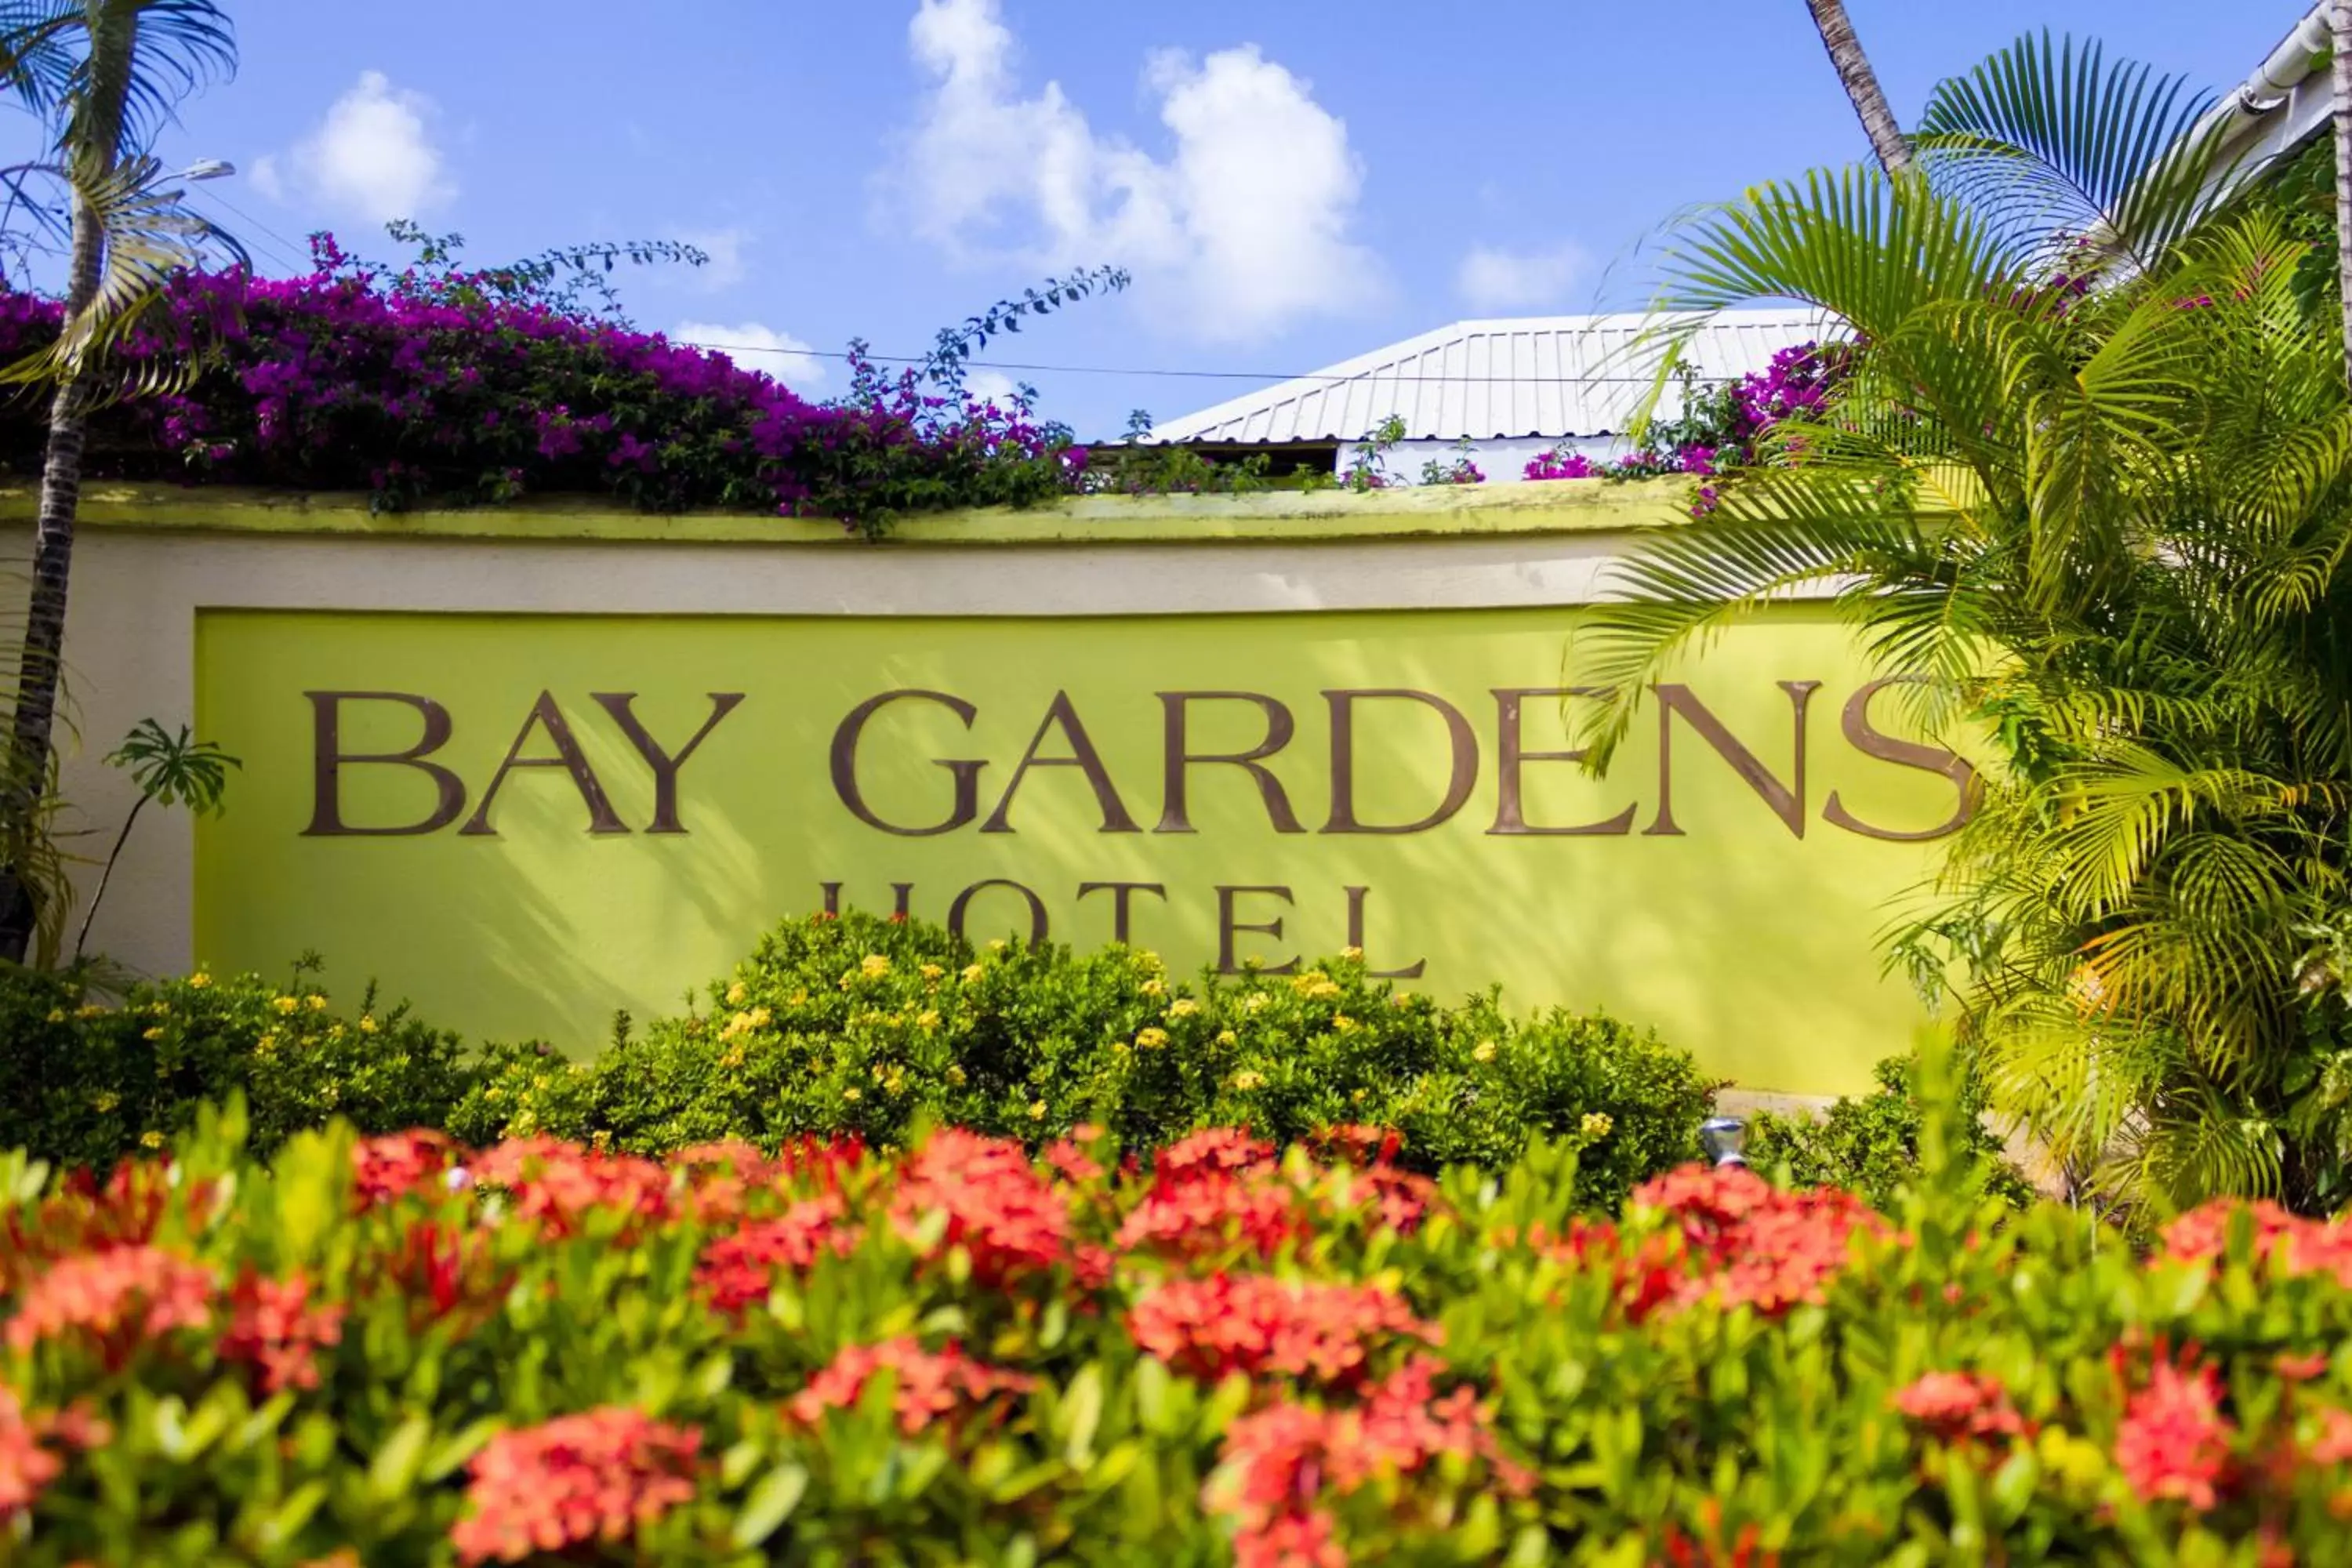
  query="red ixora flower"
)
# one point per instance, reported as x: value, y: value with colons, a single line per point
x: 273, y: 1325
x: 1253, y: 1324
x: 2333, y: 1443
x: 1007, y: 1217
x: 930, y: 1386
x: 1735, y: 1240
x: 560, y: 1184
x: 119, y: 1297
x: 737, y: 1271
x: 2287, y: 1243
x: 2174, y: 1441
x: 1279, y: 1460
x: 27, y: 1464
x: 599, y: 1476
x: 388, y: 1168
x: 1957, y: 1405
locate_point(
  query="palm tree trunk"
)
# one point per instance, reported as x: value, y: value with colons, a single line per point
x: 2340, y: 19
x: 38, y: 669
x: 1878, y: 121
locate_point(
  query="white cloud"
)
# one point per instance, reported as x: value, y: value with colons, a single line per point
x: 1506, y: 281
x: 986, y: 385
x: 725, y: 248
x: 1244, y: 227
x: 755, y: 347
x: 372, y: 157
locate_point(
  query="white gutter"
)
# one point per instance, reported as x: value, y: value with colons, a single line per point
x: 2301, y: 54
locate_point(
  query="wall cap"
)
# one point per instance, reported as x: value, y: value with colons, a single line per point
x: 1547, y: 507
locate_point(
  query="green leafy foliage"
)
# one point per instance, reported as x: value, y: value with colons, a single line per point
x: 393, y: 1352
x: 874, y: 1027
x: 1869, y: 1144
x: 2085, y: 477
x: 85, y: 1081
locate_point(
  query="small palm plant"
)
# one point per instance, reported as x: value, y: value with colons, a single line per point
x: 170, y: 769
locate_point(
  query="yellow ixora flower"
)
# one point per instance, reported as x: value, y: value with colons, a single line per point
x: 1155, y: 986
x: 105, y: 1101
x: 1483, y: 1051
x: 199, y: 980
x: 1151, y: 1039
x: 1596, y: 1125
x: 973, y: 973
x: 955, y: 1074
x: 1227, y: 1038
x: 1352, y: 954
x: 151, y: 1139
x: 316, y: 1003
x: 1183, y: 1007
x: 287, y: 1005
x: 930, y: 972
x: 852, y: 1094
x: 1037, y: 1110
x: 926, y: 1020
x: 873, y: 965
x: 367, y: 1023
x: 1247, y: 1081
x: 1254, y: 1000
x: 57, y: 1014
x: 1342, y: 1023
x: 154, y: 1034
x: 735, y: 995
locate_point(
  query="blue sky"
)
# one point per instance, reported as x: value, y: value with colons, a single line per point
x: 1290, y: 184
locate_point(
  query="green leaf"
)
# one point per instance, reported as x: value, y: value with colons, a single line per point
x: 1079, y: 1414
x: 770, y: 1503
x: 393, y: 1472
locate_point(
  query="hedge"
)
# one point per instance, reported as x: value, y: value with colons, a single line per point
x: 392, y: 1352
x: 863, y: 1026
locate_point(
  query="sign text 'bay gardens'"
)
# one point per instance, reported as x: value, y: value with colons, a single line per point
x: 968, y: 800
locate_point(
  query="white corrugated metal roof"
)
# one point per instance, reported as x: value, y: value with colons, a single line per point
x: 1553, y: 377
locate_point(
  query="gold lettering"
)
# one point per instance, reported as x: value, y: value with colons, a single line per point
x: 1463, y: 747
x: 1228, y: 928
x: 1175, y: 815
x: 845, y: 765
x: 1356, y: 897
x: 963, y: 905
x: 1510, y: 815
x: 1787, y: 800
x: 1121, y: 895
x: 1871, y: 741
x: 544, y: 714
x: 1083, y: 757
x: 664, y: 766
x: 328, y: 760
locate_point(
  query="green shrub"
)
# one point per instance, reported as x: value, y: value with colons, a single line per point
x: 1870, y: 1145
x: 870, y: 1026
x: 84, y: 1082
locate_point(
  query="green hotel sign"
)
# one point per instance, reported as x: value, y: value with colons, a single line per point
x: 528, y: 823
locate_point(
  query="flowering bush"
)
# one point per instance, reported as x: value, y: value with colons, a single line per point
x: 867, y: 1025
x: 433, y: 388
x: 958, y: 1352
x: 85, y: 1079
x: 1721, y: 428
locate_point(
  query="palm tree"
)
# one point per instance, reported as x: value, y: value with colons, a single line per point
x: 1861, y: 82
x: 2089, y: 476
x: 104, y: 75
x: 2339, y: 19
